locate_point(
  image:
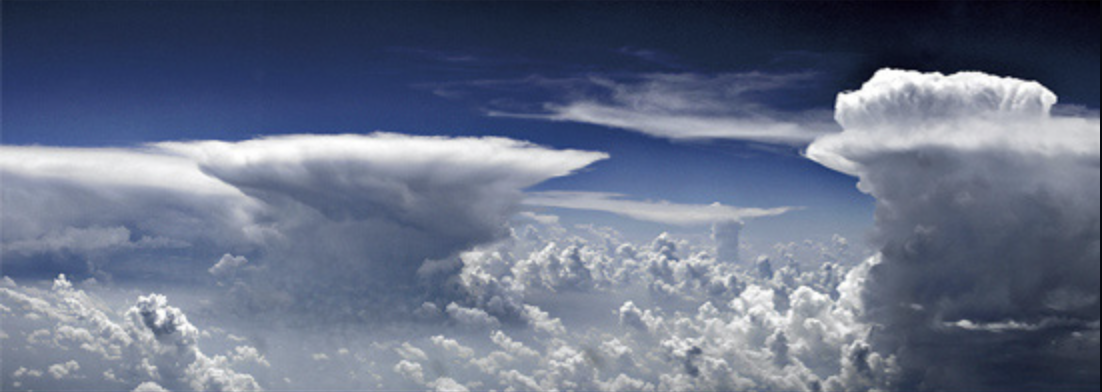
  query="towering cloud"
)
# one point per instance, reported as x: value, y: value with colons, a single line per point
x: 988, y: 226
x: 326, y: 216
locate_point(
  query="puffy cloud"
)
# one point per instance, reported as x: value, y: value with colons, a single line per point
x: 246, y: 354
x: 452, y: 346
x: 227, y: 266
x: 62, y: 371
x: 152, y: 342
x: 470, y: 316
x: 512, y: 347
x: 150, y: 387
x: 907, y: 112
x: 412, y: 371
x: 633, y: 320
x: 987, y: 223
x: 660, y: 212
x: 445, y: 384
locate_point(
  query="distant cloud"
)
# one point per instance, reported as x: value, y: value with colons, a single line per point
x: 227, y: 266
x: 329, y: 212
x: 648, y: 211
x: 152, y: 341
x: 677, y: 106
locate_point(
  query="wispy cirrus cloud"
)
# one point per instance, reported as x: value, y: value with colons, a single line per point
x: 676, y: 106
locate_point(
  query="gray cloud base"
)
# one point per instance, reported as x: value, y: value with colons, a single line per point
x: 987, y: 214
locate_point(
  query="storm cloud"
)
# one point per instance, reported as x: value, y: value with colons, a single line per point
x: 988, y: 227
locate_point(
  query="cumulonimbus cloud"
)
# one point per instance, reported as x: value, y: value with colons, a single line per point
x: 357, y: 209
x: 987, y: 215
x: 647, y: 211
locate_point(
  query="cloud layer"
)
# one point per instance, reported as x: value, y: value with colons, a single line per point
x: 659, y: 212
x: 150, y: 348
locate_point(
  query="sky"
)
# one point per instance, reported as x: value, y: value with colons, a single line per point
x: 520, y: 196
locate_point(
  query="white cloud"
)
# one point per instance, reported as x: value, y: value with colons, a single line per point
x: 470, y: 316
x: 445, y: 384
x: 452, y: 346
x: 347, y: 214
x: 246, y: 354
x: 683, y: 107
x: 904, y: 111
x: 153, y: 341
x: 659, y: 212
x: 412, y: 371
x: 150, y: 387
x: 227, y: 266
x: 62, y: 371
x: 987, y: 222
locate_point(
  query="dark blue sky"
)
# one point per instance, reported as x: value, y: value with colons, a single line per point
x: 125, y: 73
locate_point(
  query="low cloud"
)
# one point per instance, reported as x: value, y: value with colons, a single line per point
x: 151, y: 346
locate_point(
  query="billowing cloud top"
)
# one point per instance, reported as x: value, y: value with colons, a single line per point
x: 904, y: 110
x: 987, y: 222
x: 895, y: 98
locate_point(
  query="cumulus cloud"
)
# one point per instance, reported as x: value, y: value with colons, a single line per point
x: 660, y: 212
x: 227, y: 266
x: 682, y: 106
x: 987, y: 223
x: 62, y: 371
x: 571, y: 309
x: 150, y: 387
x: 152, y: 345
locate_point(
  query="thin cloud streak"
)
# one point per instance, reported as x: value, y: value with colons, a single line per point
x: 683, y: 106
x: 649, y: 211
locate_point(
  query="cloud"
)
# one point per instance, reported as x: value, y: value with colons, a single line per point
x: 375, y: 207
x: 556, y: 297
x: 62, y: 371
x: 150, y: 387
x: 658, y: 212
x: 901, y: 111
x: 987, y: 224
x: 332, y: 216
x: 683, y: 106
x: 227, y: 266
x: 152, y: 344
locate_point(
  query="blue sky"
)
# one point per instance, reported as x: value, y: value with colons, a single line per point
x: 125, y: 73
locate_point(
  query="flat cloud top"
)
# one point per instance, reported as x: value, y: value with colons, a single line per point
x: 658, y: 212
x: 444, y: 159
x: 111, y: 166
x: 398, y: 197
